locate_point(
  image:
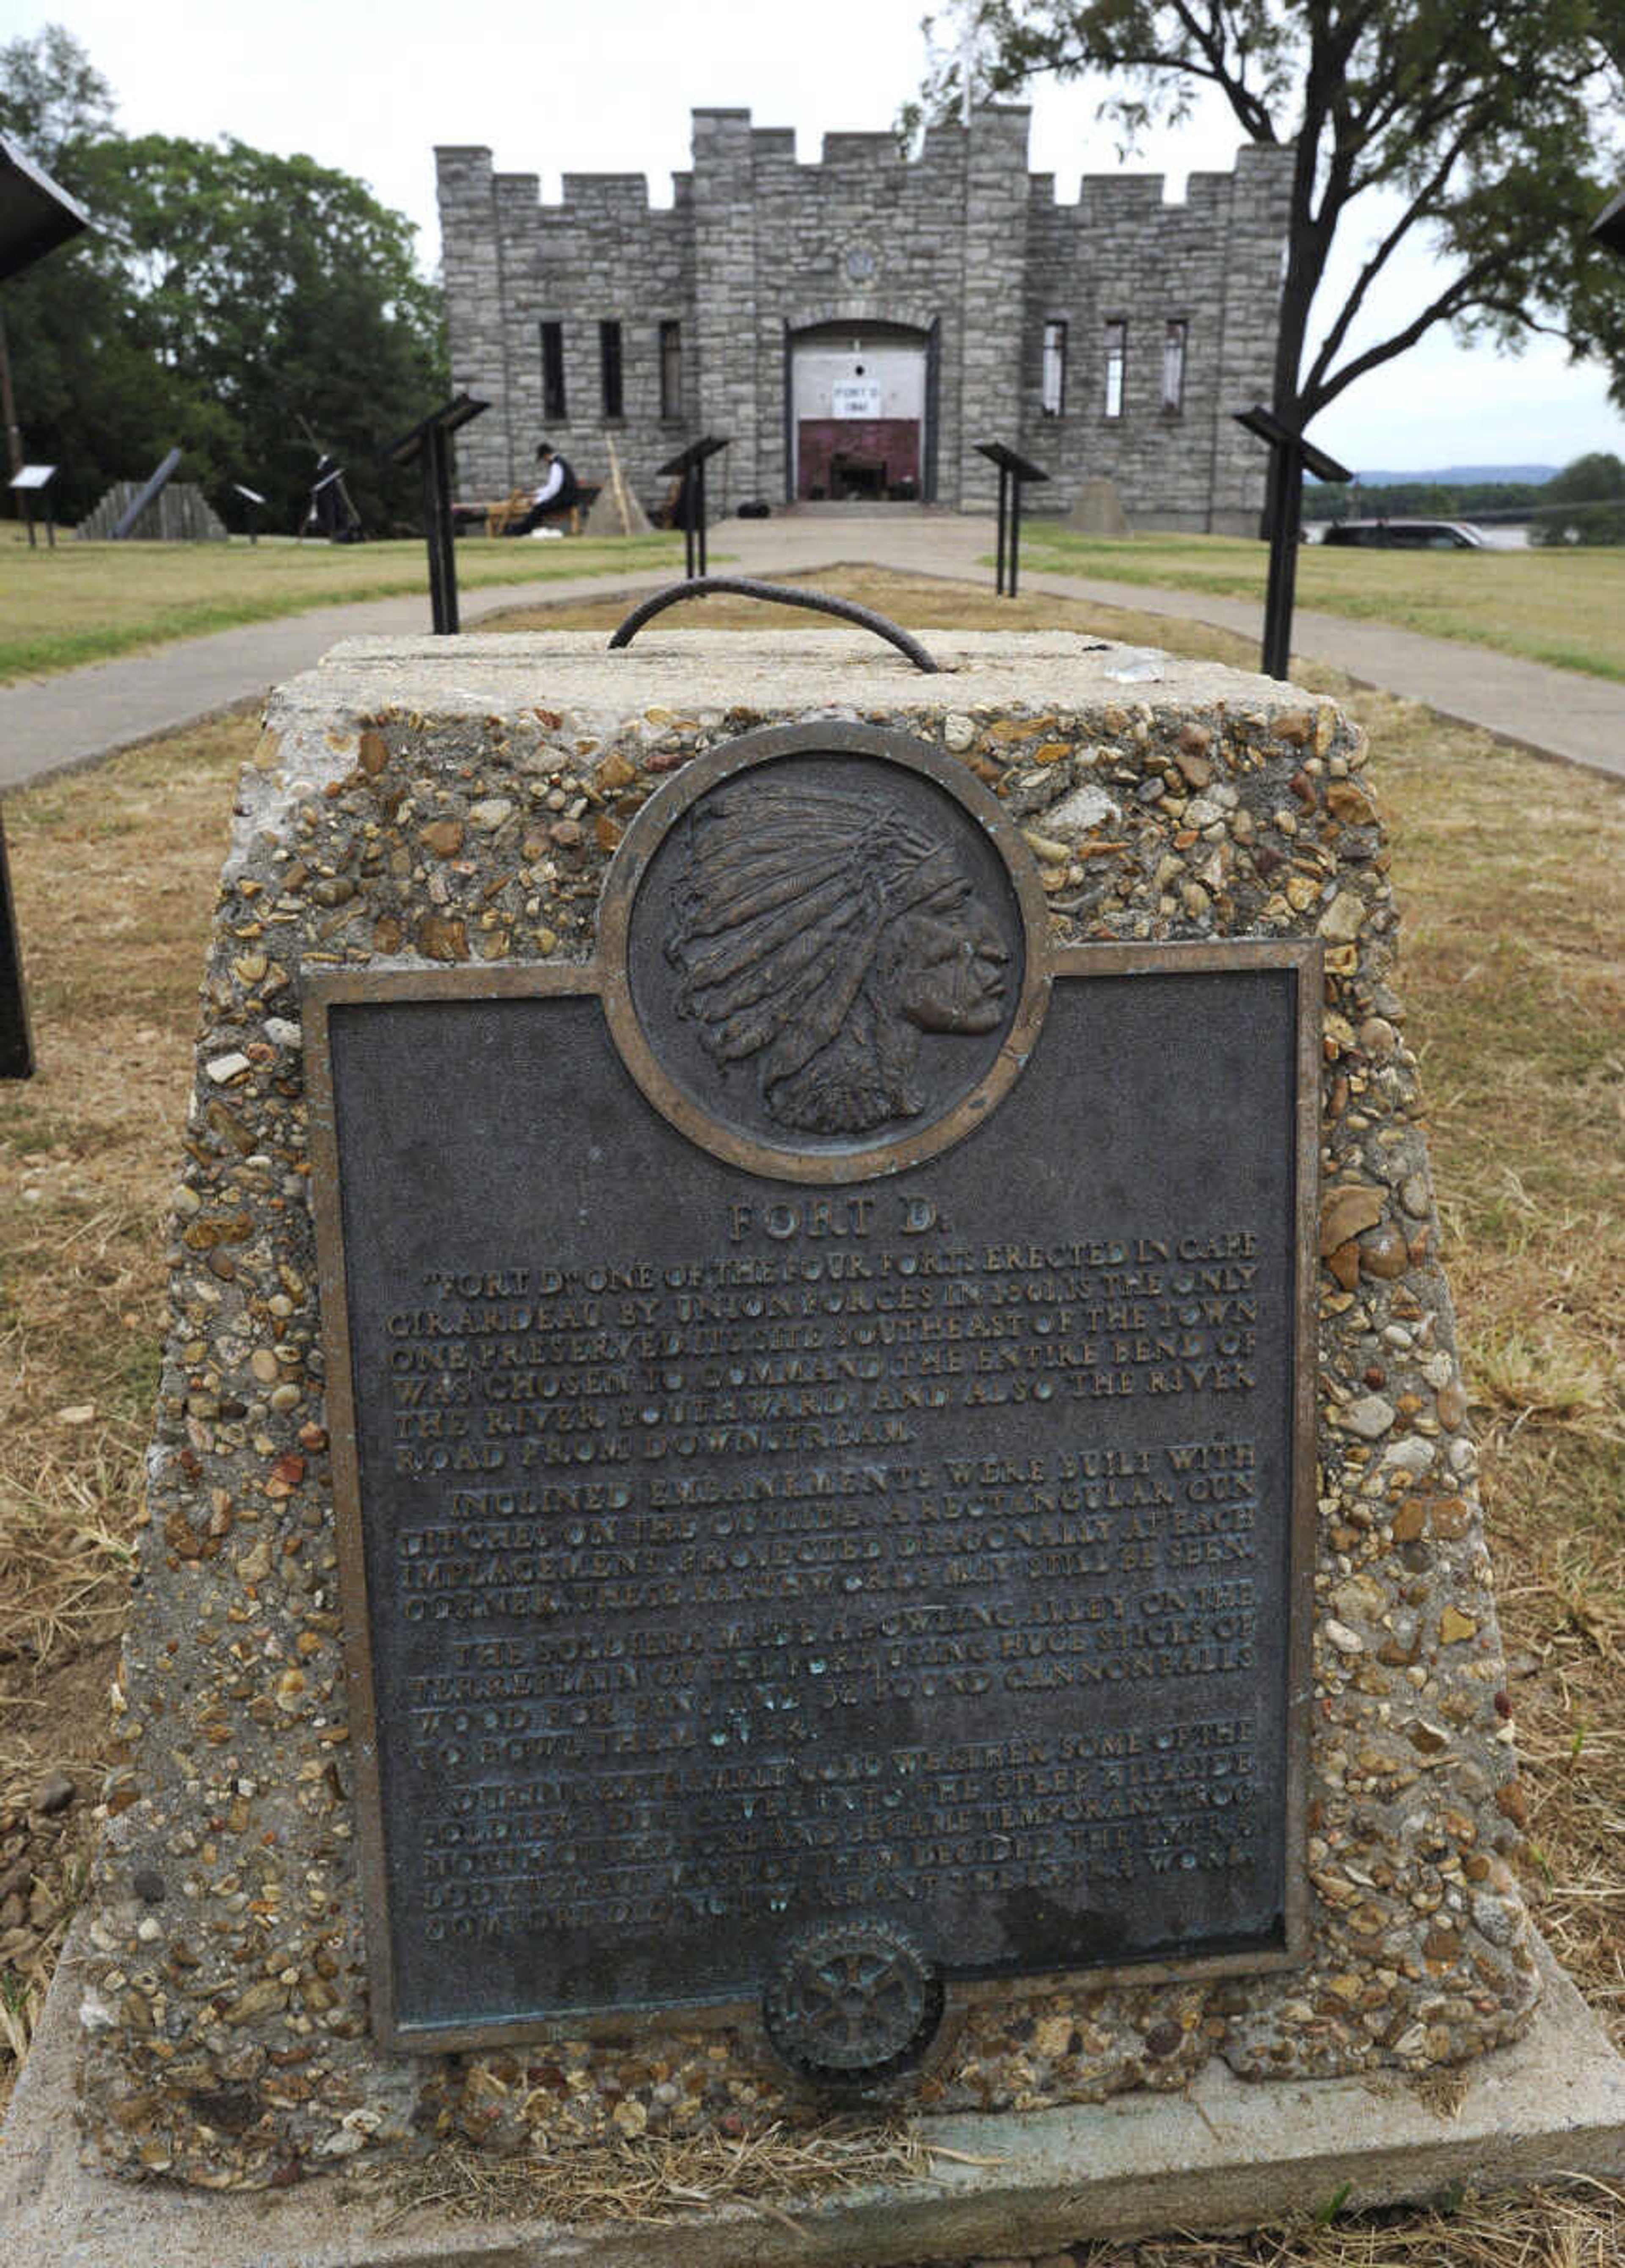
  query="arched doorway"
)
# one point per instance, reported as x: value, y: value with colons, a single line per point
x: 859, y: 415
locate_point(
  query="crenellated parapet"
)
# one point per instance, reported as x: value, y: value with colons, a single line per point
x: 930, y: 300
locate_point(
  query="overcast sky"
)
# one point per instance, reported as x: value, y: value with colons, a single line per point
x: 607, y: 86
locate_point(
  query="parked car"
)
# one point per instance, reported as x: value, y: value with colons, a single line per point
x: 1405, y: 534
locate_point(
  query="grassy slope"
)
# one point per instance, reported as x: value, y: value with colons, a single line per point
x: 1505, y: 870
x: 1565, y: 607
x: 89, y: 602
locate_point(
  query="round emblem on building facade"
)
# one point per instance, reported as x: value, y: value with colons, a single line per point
x: 823, y: 952
x: 860, y: 264
x: 853, y: 2003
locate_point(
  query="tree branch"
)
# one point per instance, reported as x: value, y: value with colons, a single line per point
x: 1457, y: 296
x: 1417, y: 210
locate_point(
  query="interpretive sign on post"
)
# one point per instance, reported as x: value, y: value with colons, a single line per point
x: 1014, y: 471
x: 1290, y: 457
x: 36, y: 216
x: 31, y: 481
x: 688, y: 467
x: 862, y: 1552
x: 429, y: 447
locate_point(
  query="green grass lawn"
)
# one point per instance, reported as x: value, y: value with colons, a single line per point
x: 88, y: 602
x: 1566, y: 607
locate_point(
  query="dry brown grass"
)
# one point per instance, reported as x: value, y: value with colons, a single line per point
x: 654, y: 2179
x: 115, y: 874
x: 1506, y: 869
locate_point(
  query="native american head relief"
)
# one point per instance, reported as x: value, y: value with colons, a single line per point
x: 818, y: 932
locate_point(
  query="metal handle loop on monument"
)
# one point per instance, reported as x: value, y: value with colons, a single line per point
x: 780, y: 595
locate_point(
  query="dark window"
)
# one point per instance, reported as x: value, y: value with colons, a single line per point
x: 1053, y: 398
x: 671, y: 370
x: 553, y: 408
x: 609, y: 370
x: 1117, y: 363
x: 1174, y: 369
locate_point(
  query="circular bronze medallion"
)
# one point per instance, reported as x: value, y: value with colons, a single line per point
x: 853, y: 2003
x: 823, y: 952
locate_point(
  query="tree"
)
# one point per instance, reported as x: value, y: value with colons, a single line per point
x: 1482, y: 124
x: 1594, y: 487
x: 53, y: 100
x: 248, y: 308
x: 288, y: 296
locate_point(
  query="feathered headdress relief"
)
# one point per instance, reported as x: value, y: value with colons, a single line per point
x: 786, y: 938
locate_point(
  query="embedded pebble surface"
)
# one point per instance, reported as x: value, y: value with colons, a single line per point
x: 457, y: 802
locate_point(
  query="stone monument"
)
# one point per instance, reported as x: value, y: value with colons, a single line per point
x: 811, y: 1459
x: 1097, y: 509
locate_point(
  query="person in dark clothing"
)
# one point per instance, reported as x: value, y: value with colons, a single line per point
x: 557, y: 491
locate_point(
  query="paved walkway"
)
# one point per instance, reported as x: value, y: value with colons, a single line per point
x: 56, y: 724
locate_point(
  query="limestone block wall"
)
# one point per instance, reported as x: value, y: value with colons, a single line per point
x: 472, y: 268
x: 863, y: 200
x: 1121, y: 254
x: 725, y: 257
x: 960, y: 244
x: 511, y: 264
x: 1260, y: 193
x: 991, y: 293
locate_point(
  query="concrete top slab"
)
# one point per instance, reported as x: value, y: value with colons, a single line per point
x: 805, y: 671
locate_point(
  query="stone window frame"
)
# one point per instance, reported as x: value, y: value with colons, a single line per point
x: 612, y: 370
x: 1115, y: 374
x: 554, y: 393
x: 1055, y: 341
x: 1175, y: 354
x: 670, y: 338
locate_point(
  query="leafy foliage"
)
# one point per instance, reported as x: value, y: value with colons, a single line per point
x: 1485, y: 126
x: 53, y: 100
x: 249, y: 308
x: 1593, y: 488
x: 1431, y: 499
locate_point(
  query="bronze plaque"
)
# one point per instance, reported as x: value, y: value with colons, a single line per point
x: 822, y: 1409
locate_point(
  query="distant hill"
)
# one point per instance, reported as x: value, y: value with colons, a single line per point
x: 1447, y: 474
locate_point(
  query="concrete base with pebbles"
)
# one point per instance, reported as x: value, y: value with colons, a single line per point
x: 1551, y: 2107
x: 443, y: 801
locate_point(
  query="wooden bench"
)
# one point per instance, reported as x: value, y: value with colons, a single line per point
x: 498, y: 519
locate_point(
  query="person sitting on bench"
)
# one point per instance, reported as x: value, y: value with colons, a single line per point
x: 557, y: 491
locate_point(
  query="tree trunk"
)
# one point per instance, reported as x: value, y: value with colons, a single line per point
x: 1304, y: 262
x: 8, y: 407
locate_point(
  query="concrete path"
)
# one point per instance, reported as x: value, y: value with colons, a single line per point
x: 56, y: 724
x: 1556, y: 712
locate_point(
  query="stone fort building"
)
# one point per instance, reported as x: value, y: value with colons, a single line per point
x: 855, y: 327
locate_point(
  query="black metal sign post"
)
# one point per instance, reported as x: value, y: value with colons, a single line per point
x: 16, y: 1039
x: 1013, y: 472
x: 688, y: 466
x: 1290, y: 457
x: 35, y: 216
x: 31, y: 481
x: 429, y: 445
